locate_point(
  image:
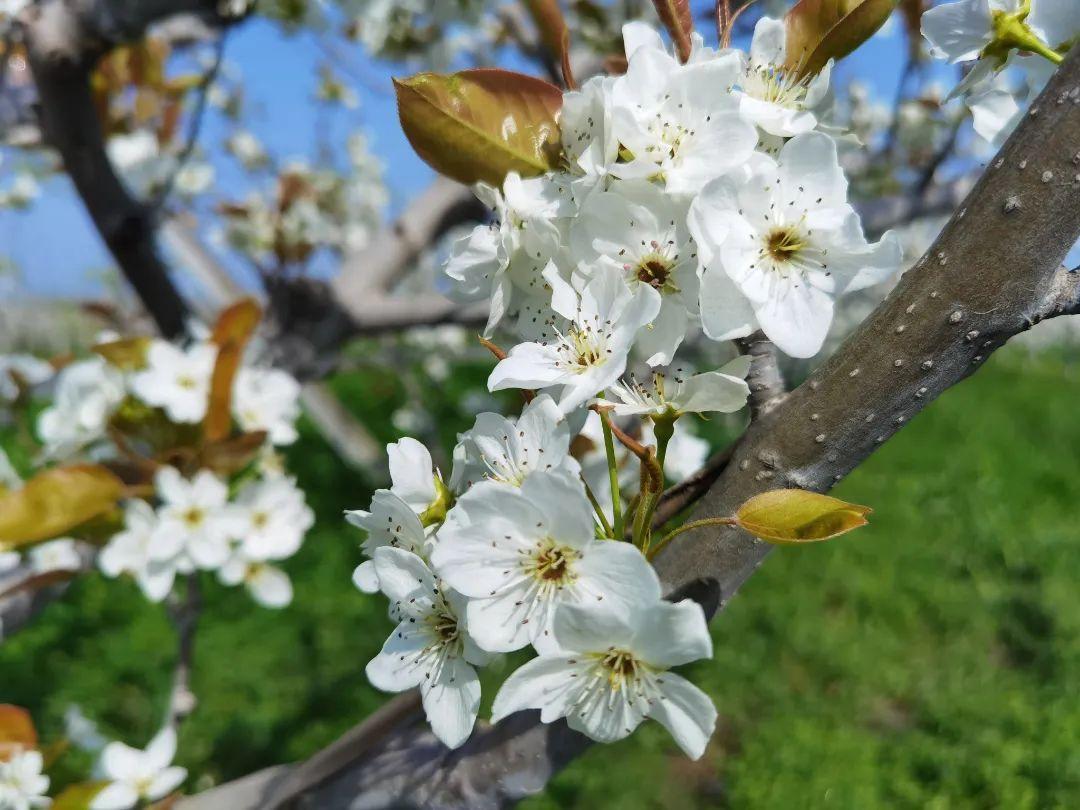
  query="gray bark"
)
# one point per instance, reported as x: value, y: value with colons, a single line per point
x: 993, y: 273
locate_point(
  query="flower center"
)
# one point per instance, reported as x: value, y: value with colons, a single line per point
x: 621, y: 667
x: 774, y: 85
x: 583, y: 348
x: 259, y: 520
x: 445, y: 626
x: 783, y: 244
x: 187, y: 382
x: 553, y: 564
x: 193, y: 517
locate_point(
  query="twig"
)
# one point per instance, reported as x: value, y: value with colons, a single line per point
x: 184, y: 615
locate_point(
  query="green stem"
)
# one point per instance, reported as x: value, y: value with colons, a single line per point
x: 663, y: 429
x: 686, y: 527
x: 613, y: 476
x: 600, y: 516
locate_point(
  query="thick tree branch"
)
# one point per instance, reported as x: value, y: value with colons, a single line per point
x: 993, y: 272
x: 64, y: 39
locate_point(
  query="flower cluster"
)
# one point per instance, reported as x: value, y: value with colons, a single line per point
x: 698, y: 193
x: 704, y: 193
x: 227, y: 507
x: 993, y: 35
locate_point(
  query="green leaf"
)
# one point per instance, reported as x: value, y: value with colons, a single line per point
x: 54, y: 502
x: 78, y: 796
x: 795, y: 516
x: 820, y: 30
x: 479, y: 125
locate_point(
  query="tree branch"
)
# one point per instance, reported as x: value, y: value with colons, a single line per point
x: 64, y: 39
x: 993, y: 272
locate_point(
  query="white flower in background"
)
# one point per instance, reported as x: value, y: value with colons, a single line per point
x: 777, y: 250
x: 267, y: 584
x: 248, y: 149
x: 194, y: 178
x: 271, y: 518
x: 611, y: 671
x: 61, y: 554
x: 21, y: 369
x: 136, y: 776
x: 22, y: 784
x: 640, y: 232
x: 509, y: 451
x: 504, y: 263
x: 678, y: 124
x: 177, y: 380
x: 23, y: 190
x: 430, y: 648
x: 773, y: 97
x: 267, y: 399
x: 519, y: 554
x: 391, y: 522
x: 194, y: 518
x: 676, y: 392
x: 81, y: 730
x: 591, y: 354
x: 130, y: 552
x: 87, y: 393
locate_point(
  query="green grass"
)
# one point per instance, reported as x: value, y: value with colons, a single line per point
x: 930, y: 660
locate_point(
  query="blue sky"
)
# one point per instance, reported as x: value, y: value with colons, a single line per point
x: 60, y: 254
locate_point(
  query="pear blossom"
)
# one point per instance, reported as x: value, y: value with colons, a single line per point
x: 641, y: 232
x: 675, y: 392
x: 61, y: 554
x: 391, y: 522
x: 267, y: 399
x: 591, y: 354
x: 675, y: 123
x: 777, y: 250
x: 267, y: 584
x: 271, y: 518
x: 509, y: 451
x: 194, y: 518
x: 610, y: 671
x: 176, y: 379
x: 130, y: 552
x: 136, y: 776
x: 519, y: 554
x: 22, y: 784
x: 775, y: 97
x: 505, y: 262
x: 412, y: 474
x: 589, y: 143
x: 430, y: 648
x: 87, y: 394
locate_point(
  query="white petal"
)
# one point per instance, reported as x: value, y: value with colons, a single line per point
x: 546, y: 683
x: 403, y: 576
x: 270, y: 587
x: 714, y: 391
x: 119, y: 761
x: 162, y: 749
x: 770, y: 41
x: 686, y: 712
x: 796, y: 317
x: 528, y: 365
x: 452, y: 701
x: 365, y: 578
x: 591, y: 627
x: 394, y: 669
x: 668, y: 635
x: 116, y: 796
x: 412, y: 473
x: 957, y: 31
x: 166, y: 782
x: 566, y: 509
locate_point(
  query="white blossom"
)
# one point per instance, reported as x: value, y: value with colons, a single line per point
x: 509, y: 451
x: 22, y: 784
x: 61, y: 554
x: 775, y: 97
x: 777, y: 250
x: 136, y: 776
x: 391, y: 522
x: 267, y: 584
x: 611, y: 670
x: 678, y: 124
x: 591, y: 353
x: 267, y: 399
x: 87, y: 393
x: 676, y: 392
x: 130, y: 552
x: 271, y: 518
x: 520, y: 553
x: 25, y: 369
x: 640, y: 231
x: 194, y: 518
x: 177, y: 380
x: 429, y: 648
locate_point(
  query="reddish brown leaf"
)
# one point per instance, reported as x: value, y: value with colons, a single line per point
x: 231, y: 334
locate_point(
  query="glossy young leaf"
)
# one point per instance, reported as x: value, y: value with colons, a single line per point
x: 795, y: 516
x: 820, y: 30
x: 677, y: 19
x: 56, y: 501
x: 231, y: 334
x: 479, y: 125
x: 127, y: 354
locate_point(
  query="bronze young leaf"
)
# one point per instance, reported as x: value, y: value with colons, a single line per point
x: 479, y: 125
x: 795, y: 516
x: 820, y: 30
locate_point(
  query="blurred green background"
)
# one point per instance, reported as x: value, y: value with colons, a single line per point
x: 931, y: 660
